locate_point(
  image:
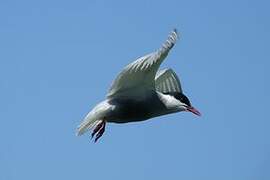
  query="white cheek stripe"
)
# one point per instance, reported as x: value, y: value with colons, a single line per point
x: 170, y: 102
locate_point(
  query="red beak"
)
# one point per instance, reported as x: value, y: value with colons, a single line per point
x: 194, y: 111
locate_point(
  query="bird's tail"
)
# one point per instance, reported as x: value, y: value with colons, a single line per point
x: 87, y: 124
x: 94, y: 117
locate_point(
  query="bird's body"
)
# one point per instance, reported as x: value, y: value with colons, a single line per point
x: 140, y: 92
x: 131, y: 110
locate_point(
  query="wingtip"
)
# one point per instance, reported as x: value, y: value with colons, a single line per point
x: 175, y: 33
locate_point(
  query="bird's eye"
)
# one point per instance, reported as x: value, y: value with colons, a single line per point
x: 185, y: 100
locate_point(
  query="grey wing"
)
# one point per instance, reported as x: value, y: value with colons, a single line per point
x: 166, y: 81
x: 139, y: 76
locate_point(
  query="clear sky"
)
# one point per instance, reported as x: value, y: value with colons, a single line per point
x: 58, y: 59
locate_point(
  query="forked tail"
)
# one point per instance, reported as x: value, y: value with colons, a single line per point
x: 94, y: 117
x: 86, y: 125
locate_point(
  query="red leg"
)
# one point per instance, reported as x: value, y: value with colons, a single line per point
x: 99, y: 130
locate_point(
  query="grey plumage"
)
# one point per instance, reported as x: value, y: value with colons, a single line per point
x: 139, y: 92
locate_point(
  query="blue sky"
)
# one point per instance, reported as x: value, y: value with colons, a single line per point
x: 58, y: 59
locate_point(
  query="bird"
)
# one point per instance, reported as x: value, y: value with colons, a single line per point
x: 140, y: 92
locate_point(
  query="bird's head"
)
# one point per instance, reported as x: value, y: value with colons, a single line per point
x: 184, y: 103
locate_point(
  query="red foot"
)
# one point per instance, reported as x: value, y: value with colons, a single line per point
x: 99, y: 130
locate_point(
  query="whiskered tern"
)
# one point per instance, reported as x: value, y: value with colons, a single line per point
x: 140, y: 92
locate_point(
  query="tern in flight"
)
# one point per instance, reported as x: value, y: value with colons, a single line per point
x: 140, y: 92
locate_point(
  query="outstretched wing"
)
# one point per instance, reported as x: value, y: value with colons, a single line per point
x: 139, y: 76
x: 166, y: 81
